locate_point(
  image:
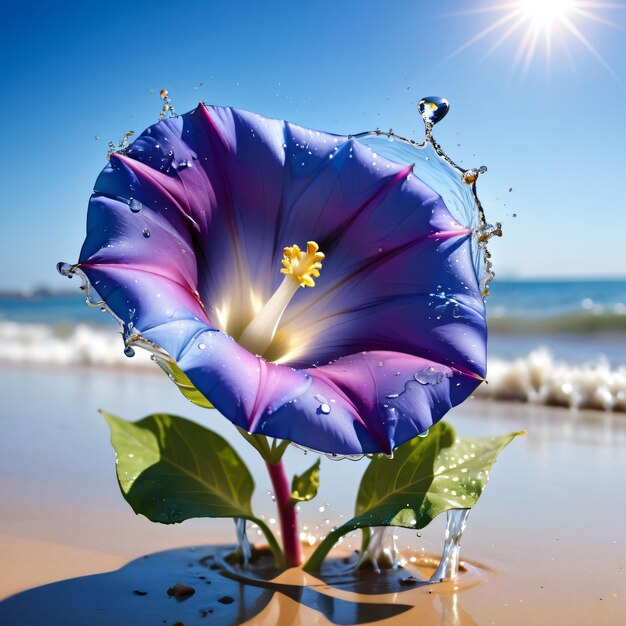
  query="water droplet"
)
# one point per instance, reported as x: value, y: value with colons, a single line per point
x: 65, y: 269
x: 425, y: 433
x: 201, y: 346
x: 470, y: 177
x: 430, y: 376
x: 324, y: 406
x: 146, y: 233
x: 433, y: 109
x: 129, y: 352
x: 134, y: 205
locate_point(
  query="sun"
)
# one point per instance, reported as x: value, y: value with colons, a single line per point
x: 544, y: 13
x: 539, y: 24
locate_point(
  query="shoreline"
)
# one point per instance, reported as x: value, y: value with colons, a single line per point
x: 535, y: 380
x: 547, y: 526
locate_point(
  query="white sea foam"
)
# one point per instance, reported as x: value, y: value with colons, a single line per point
x: 537, y: 378
x: 83, y: 345
x: 540, y: 379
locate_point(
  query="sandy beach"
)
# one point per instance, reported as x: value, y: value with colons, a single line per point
x: 546, y: 535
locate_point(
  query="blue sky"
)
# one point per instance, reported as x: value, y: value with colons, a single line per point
x: 74, y: 70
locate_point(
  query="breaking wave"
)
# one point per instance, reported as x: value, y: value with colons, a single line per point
x: 81, y: 345
x: 537, y: 378
x: 541, y: 379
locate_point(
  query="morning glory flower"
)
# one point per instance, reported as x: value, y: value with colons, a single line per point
x: 312, y: 290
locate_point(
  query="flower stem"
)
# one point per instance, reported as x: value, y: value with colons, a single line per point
x: 287, y: 514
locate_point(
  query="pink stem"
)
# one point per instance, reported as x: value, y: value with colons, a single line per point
x: 287, y: 514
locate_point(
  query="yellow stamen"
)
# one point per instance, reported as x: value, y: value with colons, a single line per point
x: 303, y: 266
x: 300, y: 268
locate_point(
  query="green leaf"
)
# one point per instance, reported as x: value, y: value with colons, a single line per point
x: 183, y: 383
x: 171, y: 469
x: 426, y: 477
x: 305, y: 486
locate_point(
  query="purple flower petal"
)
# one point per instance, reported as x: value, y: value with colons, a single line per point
x: 185, y: 235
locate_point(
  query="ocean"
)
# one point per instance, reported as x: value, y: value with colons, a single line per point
x: 550, y: 342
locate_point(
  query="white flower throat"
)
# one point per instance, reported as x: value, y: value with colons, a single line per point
x: 300, y: 268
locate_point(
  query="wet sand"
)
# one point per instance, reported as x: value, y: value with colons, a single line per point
x: 547, y: 533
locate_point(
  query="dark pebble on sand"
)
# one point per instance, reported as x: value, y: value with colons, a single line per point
x: 139, y: 592
x: 226, y: 600
x: 180, y: 591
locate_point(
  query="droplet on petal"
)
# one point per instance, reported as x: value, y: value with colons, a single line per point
x: 324, y: 406
x: 429, y: 376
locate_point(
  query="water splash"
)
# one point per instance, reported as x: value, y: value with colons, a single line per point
x: 122, y: 144
x: 131, y: 336
x: 167, y: 104
x: 243, y: 543
x: 456, y: 521
x: 434, y: 167
x: 377, y: 554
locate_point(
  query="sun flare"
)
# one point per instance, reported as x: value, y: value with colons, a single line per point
x: 544, y: 13
x: 540, y: 24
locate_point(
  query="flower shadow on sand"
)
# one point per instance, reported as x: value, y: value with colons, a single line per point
x: 137, y: 594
